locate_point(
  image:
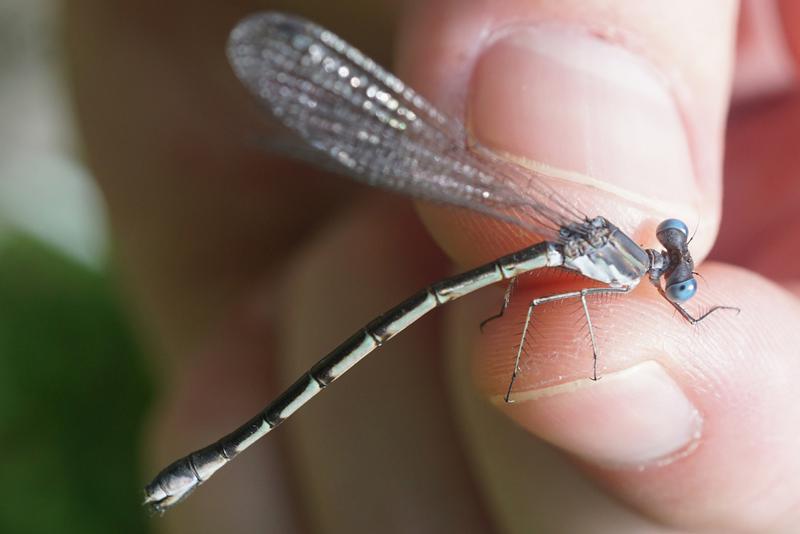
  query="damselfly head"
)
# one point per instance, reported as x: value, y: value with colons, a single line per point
x: 679, y: 282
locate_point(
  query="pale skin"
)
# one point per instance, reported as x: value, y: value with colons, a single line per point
x: 228, y: 254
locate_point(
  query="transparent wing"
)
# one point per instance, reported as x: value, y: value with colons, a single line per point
x: 371, y: 126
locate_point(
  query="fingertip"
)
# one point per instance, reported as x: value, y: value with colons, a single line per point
x: 584, y: 108
x: 611, y: 107
x: 677, y: 407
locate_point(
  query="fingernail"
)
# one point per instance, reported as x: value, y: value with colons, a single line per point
x: 584, y: 106
x: 635, y: 417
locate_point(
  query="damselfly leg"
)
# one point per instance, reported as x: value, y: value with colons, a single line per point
x: 582, y: 295
x: 506, y: 301
x: 685, y: 313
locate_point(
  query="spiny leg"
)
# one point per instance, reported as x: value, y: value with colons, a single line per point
x: 535, y: 302
x: 688, y: 316
x: 582, y: 294
x: 591, y: 334
x: 596, y: 291
x: 506, y: 300
x: 519, y: 349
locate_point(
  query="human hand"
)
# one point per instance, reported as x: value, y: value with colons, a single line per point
x: 249, y: 269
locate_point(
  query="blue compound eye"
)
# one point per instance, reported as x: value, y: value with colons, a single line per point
x: 673, y: 224
x: 681, y: 291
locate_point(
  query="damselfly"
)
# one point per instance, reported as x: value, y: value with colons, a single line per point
x: 364, y: 122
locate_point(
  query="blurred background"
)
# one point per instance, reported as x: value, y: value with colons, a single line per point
x: 76, y: 382
x: 73, y: 385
